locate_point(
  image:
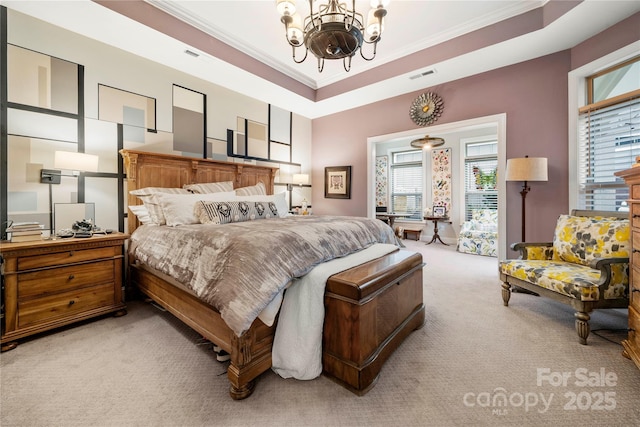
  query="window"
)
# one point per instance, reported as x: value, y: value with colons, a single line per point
x: 480, y: 176
x: 608, y: 136
x: 406, y: 183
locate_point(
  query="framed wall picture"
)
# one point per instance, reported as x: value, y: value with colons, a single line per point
x: 337, y: 182
x: 439, y: 211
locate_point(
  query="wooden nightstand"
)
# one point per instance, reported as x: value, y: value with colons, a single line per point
x: 51, y: 283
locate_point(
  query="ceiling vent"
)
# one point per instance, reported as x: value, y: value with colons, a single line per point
x: 192, y: 53
x: 424, y: 73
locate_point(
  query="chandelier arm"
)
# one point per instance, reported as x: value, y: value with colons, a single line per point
x: 344, y: 63
x: 293, y: 51
x: 375, y: 45
x: 320, y: 64
x: 353, y: 16
x: 312, y: 19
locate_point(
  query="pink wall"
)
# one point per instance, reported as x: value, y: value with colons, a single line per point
x: 533, y: 96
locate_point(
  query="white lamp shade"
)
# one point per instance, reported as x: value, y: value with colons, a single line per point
x: 527, y: 169
x: 82, y: 162
x: 300, y: 178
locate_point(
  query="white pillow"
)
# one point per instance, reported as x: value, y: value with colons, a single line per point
x: 178, y: 209
x: 210, y: 187
x: 279, y: 199
x: 253, y: 190
x: 147, y: 195
x: 142, y: 213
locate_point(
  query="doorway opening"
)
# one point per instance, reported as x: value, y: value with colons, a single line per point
x: 456, y: 135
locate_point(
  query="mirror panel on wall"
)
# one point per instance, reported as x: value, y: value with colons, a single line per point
x: 135, y: 111
x: 39, y: 125
x: 104, y: 193
x: 27, y: 197
x: 102, y: 140
x: 41, y: 81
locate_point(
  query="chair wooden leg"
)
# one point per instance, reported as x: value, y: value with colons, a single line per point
x: 506, y: 293
x: 582, y: 326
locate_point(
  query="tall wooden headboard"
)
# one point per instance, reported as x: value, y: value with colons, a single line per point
x: 144, y: 169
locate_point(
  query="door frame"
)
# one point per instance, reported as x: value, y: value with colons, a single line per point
x: 499, y: 121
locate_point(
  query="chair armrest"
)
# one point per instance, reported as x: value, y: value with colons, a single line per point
x: 534, y: 251
x: 612, y: 271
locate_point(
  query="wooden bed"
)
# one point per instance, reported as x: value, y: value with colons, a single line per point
x: 251, y: 352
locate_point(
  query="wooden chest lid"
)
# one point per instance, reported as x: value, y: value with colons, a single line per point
x: 362, y: 281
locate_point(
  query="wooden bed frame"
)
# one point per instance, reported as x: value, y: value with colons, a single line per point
x: 251, y: 352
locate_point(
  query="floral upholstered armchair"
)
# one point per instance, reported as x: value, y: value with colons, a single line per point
x: 480, y: 234
x: 586, y: 265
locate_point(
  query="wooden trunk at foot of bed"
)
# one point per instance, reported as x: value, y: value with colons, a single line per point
x: 369, y: 311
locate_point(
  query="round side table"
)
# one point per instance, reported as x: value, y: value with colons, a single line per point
x: 436, y: 219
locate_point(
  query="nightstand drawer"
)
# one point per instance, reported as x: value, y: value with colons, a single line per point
x: 635, y: 215
x: 64, y: 278
x: 65, y: 304
x: 65, y: 258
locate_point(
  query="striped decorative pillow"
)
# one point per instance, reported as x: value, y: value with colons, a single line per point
x: 254, y: 190
x: 210, y: 187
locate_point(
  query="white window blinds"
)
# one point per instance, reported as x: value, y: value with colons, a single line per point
x: 480, y: 176
x: 480, y: 184
x: 608, y: 141
x: 406, y: 183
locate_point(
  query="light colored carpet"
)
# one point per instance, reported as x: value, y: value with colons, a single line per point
x: 147, y: 369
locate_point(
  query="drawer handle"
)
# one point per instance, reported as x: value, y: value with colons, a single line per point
x: 70, y: 253
x: 72, y: 302
x: 71, y: 277
x: 635, y: 290
x: 635, y: 250
x: 635, y: 215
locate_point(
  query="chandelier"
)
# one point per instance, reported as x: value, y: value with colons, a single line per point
x: 333, y: 30
x: 427, y: 143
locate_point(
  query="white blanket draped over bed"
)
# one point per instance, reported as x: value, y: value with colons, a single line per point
x: 297, y: 345
x: 239, y: 268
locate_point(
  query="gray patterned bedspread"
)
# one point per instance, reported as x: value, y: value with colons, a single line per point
x: 239, y: 268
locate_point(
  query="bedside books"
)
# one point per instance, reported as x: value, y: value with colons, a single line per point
x: 25, y: 232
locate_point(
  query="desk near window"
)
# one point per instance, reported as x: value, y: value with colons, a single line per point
x: 390, y: 218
